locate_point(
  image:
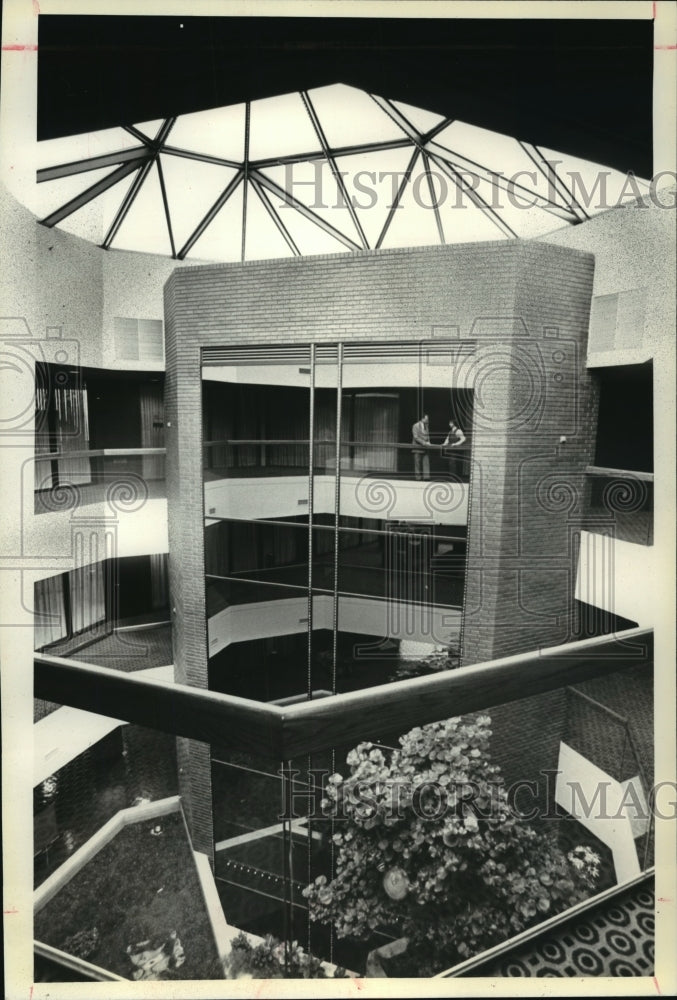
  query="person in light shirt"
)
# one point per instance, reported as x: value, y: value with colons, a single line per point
x: 420, y: 448
x: 454, y: 439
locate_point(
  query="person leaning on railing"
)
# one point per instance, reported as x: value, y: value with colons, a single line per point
x: 454, y: 439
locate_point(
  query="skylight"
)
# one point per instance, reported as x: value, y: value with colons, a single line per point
x: 328, y: 170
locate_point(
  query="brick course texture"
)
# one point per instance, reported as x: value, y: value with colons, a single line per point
x: 522, y: 309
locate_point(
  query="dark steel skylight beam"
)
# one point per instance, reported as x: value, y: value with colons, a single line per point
x: 189, y: 154
x: 306, y: 212
x: 163, y: 132
x: 165, y: 202
x: 460, y: 162
x: 477, y: 199
x: 145, y: 139
x: 440, y: 127
x: 337, y: 151
x: 274, y: 216
x: 127, y: 203
x: 216, y: 207
x: 409, y: 130
x: 398, y: 197
x: 92, y: 163
x: 92, y: 192
x: 551, y: 175
x: 433, y: 200
x: 129, y: 199
x: 332, y: 163
x: 245, y: 177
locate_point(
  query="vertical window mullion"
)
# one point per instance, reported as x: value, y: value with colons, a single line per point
x: 337, y: 506
x: 311, y: 493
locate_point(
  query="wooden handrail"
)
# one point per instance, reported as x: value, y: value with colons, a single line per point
x: 98, y: 453
x: 401, y: 705
x: 599, y: 470
x: 406, y: 446
x: 285, y: 733
x: 223, y: 720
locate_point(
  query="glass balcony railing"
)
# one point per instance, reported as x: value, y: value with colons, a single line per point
x: 123, y: 477
x: 356, y: 580
x: 399, y: 832
x: 419, y: 563
x: 288, y: 457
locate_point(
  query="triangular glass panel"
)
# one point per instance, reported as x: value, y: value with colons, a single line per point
x: 192, y: 188
x: 413, y: 224
x: 314, y: 185
x: 279, y: 126
x: 264, y: 240
x: 372, y: 180
x: 350, y: 117
x: 222, y: 239
x: 468, y: 221
x: 493, y: 152
x: 72, y: 148
x: 597, y: 188
x: 151, y: 129
x: 308, y: 236
x: 51, y: 195
x: 145, y: 227
x: 422, y: 120
x: 217, y: 132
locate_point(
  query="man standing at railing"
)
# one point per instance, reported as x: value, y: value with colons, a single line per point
x: 421, y: 445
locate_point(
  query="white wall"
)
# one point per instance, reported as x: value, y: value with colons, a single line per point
x: 620, y: 577
x: 62, y: 541
x: 361, y: 496
x: 634, y: 247
x: 241, y: 622
x: 603, y: 806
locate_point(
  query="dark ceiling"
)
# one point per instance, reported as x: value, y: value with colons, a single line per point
x: 580, y: 87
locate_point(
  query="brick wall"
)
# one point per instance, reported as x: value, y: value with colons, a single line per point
x: 525, y: 309
x: 528, y: 490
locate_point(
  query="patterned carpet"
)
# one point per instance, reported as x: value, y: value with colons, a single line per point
x: 127, y: 651
x: 138, y: 649
x: 614, y: 939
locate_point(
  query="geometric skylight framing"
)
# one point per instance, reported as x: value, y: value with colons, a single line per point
x: 312, y: 172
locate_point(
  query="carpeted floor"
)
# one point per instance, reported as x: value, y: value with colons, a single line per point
x: 137, y: 649
x: 614, y: 939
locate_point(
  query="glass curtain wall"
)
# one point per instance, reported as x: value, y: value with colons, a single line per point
x: 334, y: 544
x: 317, y: 584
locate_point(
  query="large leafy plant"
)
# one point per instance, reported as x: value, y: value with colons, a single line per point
x: 431, y: 850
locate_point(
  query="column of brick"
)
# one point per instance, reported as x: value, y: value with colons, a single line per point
x: 183, y: 416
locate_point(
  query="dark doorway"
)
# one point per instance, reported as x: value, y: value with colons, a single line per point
x: 114, y: 413
x: 625, y: 424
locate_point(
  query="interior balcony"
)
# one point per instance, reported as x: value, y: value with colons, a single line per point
x: 419, y: 606
x: 375, y: 479
x: 68, y: 479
